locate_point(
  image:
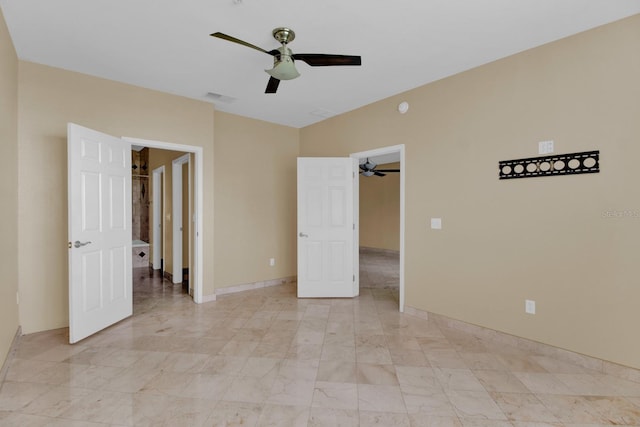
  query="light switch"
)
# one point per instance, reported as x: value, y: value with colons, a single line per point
x: 530, y: 306
x: 436, y: 223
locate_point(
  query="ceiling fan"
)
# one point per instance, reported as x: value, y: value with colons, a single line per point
x: 368, y: 168
x: 283, y: 58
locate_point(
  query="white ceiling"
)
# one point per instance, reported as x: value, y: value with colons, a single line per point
x: 165, y: 44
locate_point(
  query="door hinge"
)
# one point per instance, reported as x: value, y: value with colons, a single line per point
x: 354, y: 277
x: 354, y: 226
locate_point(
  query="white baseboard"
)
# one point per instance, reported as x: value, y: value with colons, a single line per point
x: 255, y: 285
x: 589, y: 362
x: 11, y: 354
x: 208, y: 298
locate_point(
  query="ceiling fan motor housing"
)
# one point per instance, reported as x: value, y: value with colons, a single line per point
x: 283, y: 35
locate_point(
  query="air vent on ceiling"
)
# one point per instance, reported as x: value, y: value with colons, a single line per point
x: 321, y: 112
x: 216, y: 97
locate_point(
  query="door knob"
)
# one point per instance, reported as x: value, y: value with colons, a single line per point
x: 78, y: 243
x: 303, y: 234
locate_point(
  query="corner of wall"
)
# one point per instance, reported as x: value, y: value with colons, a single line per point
x: 9, y: 315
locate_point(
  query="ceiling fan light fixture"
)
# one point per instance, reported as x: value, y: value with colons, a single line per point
x: 368, y: 173
x: 284, y: 68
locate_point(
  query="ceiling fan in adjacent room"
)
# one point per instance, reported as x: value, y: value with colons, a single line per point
x: 368, y: 168
x: 283, y: 58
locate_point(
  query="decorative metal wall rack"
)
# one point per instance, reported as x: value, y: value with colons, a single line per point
x: 559, y: 164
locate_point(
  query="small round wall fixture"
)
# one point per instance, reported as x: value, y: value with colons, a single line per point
x: 403, y: 107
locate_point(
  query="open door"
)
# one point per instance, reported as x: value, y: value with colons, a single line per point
x: 177, y: 214
x: 326, y: 227
x: 99, y: 179
x: 158, y: 219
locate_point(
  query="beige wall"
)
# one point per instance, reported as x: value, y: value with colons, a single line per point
x: 255, y: 188
x: 165, y: 158
x: 380, y: 210
x: 546, y: 239
x: 48, y: 99
x: 8, y: 190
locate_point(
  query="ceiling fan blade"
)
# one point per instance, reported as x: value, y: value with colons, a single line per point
x: 323, y: 60
x: 363, y: 167
x: 388, y: 170
x: 242, y: 42
x: 378, y: 173
x: 272, y: 85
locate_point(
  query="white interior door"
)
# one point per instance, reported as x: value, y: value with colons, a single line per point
x: 99, y: 179
x: 158, y: 217
x: 326, y: 227
x: 176, y: 194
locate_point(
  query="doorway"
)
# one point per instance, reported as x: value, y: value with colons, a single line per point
x: 384, y: 155
x: 195, y: 276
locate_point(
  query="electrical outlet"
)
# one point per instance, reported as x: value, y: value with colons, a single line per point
x: 545, y: 147
x: 272, y: 262
x: 530, y: 306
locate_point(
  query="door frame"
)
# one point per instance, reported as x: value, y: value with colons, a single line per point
x: 157, y: 233
x: 394, y: 149
x: 198, y: 192
x: 178, y: 213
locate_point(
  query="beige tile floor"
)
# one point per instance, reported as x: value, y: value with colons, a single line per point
x: 379, y: 269
x: 266, y: 358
